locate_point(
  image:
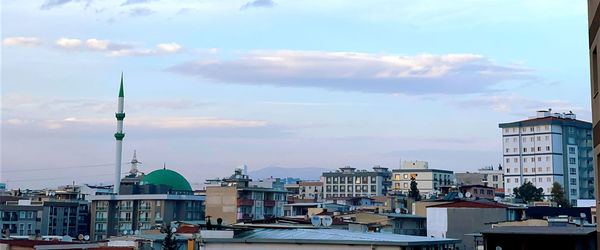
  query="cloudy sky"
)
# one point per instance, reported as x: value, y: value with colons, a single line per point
x: 211, y: 85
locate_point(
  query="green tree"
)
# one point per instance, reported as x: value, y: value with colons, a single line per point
x: 169, y: 243
x: 528, y: 192
x: 558, y: 195
x: 414, y: 191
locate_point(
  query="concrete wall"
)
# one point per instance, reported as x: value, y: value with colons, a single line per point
x: 221, y: 202
x: 456, y: 222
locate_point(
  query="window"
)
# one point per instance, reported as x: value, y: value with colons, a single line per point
x: 515, y: 139
x: 530, y: 129
x: 539, y: 138
x: 508, y: 180
x: 516, y: 170
x: 514, y: 150
x: 507, y: 160
x: 335, y: 180
x: 532, y: 159
x: 343, y: 180
x: 524, y: 149
x: 516, y: 159
x: 508, y: 170
x: 539, y: 169
x: 540, y: 179
x: 571, y: 150
x: 572, y: 170
x: 533, y: 170
x: 405, y: 185
x: 495, y: 178
x: 539, y: 159
x: 22, y: 215
x: 349, y: 188
x: 548, y: 179
x: 335, y: 188
x: 509, y: 190
x: 572, y: 160
x: 525, y: 170
x: 572, y: 181
x: 524, y: 159
x: 532, y: 148
x: 405, y: 176
x: 373, y: 188
x: 357, y: 180
x: 397, y: 186
x: 547, y: 148
x: 573, y: 191
x: 531, y: 139
x: 547, y: 127
x: 397, y: 177
x: 547, y: 158
x: 547, y: 138
x: 539, y: 149
x: 516, y: 180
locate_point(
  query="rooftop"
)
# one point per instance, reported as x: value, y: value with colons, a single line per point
x: 537, y: 230
x: 330, y: 236
x: 315, y: 183
x: 472, y: 204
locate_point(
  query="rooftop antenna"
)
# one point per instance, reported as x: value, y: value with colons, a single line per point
x: 165, y: 165
x: 134, y: 162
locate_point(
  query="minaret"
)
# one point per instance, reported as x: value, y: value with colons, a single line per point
x: 119, y: 136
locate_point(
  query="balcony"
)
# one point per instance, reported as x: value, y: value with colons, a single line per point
x: 98, y: 219
x: 101, y: 208
x: 245, y: 202
x: 144, y: 219
x: 100, y: 230
x: 124, y: 219
x: 269, y: 203
x: 148, y: 207
x: 126, y: 208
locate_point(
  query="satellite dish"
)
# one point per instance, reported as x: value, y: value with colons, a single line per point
x: 397, y: 210
x: 137, y: 232
x: 582, y: 215
x: 66, y: 238
x: 316, y: 220
x: 87, y: 237
x: 125, y: 232
x: 460, y: 195
x: 327, y: 221
x: 467, y: 194
x: 174, y: 229
x: 80, y: 237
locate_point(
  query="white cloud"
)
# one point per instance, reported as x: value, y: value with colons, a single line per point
x: 95, y: 44
x: 69, y: 43
x: 160, y: 49
x: 168, y: 47
x: 22, y: 41
x: 352, y: 71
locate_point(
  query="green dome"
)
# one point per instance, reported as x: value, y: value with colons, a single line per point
x: 167, y: 177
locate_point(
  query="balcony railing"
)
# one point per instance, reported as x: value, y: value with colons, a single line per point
x: 101, y: 208
x: 124, y: 219
x: 126, y: 208
x: 145, y: 207
x: 245, y: 202
x: 100, y: 230
x: 144, y: 219
x: 100, y: 219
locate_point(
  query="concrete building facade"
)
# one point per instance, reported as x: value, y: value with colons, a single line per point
x: 349, y: 182
x: 428, y: 180
x: 547, y: 148
x: 593, y: 35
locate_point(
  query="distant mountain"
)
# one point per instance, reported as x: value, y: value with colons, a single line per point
x: 308, y: 173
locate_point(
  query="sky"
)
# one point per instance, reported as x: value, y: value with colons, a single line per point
x: 211, y: 85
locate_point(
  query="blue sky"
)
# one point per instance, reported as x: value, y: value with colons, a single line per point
x: 211, y: 85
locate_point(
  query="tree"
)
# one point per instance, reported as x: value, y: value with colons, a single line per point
x: 414, y: 191
x: 528, y: 192
x: 169, y: 243
x: 558, y: 195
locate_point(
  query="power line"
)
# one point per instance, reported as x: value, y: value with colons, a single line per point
x: 58, y: 178
x: 42, y: 169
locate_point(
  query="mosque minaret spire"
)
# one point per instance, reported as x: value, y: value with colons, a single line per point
x: 120, y: 115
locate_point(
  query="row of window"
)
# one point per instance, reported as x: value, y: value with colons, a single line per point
x: 531, y: 159
x: 342, y: 188
x: 526, y: 129
x: 532, y: 149
x: 350, y: 179
x: 533, y: 179
x: 533, y: 170
x: 531, y: 139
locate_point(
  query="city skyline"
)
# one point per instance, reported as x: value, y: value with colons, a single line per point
x: 279, y: 83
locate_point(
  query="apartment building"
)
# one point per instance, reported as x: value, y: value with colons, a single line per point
x: 234, y: 199
x: 492, y: 177
x: 428, y: 180
x: 310, y: 190
x: 145, y: 203
x: 55, y: 217
x: 349, y: 182
x: 547, y: 148
x: 593, y: 34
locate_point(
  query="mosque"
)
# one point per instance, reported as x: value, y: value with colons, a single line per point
x: 140, y: 201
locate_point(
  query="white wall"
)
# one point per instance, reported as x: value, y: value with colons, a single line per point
x: 437, y: 222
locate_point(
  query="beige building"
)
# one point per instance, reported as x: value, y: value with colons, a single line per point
x: 310, y: 190
x: 594, y: 25
x: 428, y: 180
x: 234, y: 200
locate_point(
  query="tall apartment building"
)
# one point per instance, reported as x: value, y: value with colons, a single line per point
x: 349, y: 182
x: 548, y: 148
x: 48, y: 217
x: 428, y: 180
x: 234, y: 199
x: 593, y: 34
x: 145, y: 202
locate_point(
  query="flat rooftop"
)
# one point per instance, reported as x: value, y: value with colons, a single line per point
x: 536, y: 230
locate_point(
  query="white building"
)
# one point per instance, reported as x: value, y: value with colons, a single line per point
x: 548, y: 148
x: 428, y: 180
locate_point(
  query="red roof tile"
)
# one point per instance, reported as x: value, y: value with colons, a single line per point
x: 32, y: 243
x: 188, y: 230
x: 314, y: 183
